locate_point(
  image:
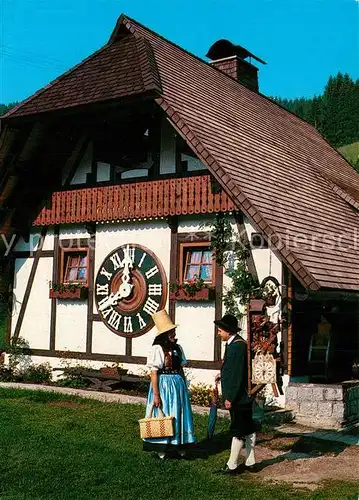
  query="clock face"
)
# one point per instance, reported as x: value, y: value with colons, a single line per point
x: 130, y: 286
x: 264, y: 369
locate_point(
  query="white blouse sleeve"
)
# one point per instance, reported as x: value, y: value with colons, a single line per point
x: 183, y: 360
x: 155, y: 358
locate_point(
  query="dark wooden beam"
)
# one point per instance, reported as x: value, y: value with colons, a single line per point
x: 173, y: 224
x: 26, y: 254
x: 285, y: 317
x: 128, y: 346
x: 90, y: 280
x: 116, y: 358
x: 290, y: 323
x: 218, y: 311
x: 55, y: 279
x: 11, y: 287
x: 29, y: 284
x: 75, y: 159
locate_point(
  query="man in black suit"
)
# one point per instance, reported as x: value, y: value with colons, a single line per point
x: 234, y: 382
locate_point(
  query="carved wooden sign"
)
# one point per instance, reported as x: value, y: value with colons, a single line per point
x: 263, y: 369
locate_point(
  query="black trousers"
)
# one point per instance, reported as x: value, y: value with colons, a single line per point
x: 242, y: 422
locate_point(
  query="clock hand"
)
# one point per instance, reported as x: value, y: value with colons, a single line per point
x: 112, y: 299
x: 127, y: 264
x: 126, y: 287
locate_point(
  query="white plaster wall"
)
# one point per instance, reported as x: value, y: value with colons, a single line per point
x: 156, y: 237
x: 84, y: 167
x: 73, y: 231
x: 135, y: 173
x: 168, y: 149
x: 34, y: 239
x: 105, y: 341
x: 195, y: 223
x: 195, y: 332
x: 193, y: 164
x: 103, y: 171
x: 266, y: 262
x: 36, y: 323
x: 71, y: 325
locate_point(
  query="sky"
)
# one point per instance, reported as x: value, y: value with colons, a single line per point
x: 302, y: 41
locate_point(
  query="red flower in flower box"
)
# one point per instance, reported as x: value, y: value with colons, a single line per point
x: 74, y: 293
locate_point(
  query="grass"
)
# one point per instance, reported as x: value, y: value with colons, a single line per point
x: 350, y: 151
x: 58, y: 447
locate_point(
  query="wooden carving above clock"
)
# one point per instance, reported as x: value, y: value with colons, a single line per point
x: 130, y: 286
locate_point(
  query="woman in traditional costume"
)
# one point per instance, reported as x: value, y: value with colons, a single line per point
x: 168, y: 388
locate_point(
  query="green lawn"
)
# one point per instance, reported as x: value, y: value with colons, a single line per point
x: 351, y: 151
x: 59, y: 447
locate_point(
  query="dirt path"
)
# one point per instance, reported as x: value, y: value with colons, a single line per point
x: 306, y: 462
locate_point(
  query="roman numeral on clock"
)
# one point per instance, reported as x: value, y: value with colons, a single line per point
x: 151, y: 272
x: 106, y: 273
x: 114, y: 320
x: 142, y: 259
x: 141, y: 321
x: 127, y: 324
x: 116, y: 261
x: 101, y: 303
x: 154, y: 289
x: 102, y: 289
x: 151, y: 306
x: 131, y: 253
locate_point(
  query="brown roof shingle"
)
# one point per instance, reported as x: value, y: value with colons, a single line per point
x: 124, y: 68
x: 276, y: 167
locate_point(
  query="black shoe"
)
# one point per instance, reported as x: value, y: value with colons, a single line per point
x: 226, y: 471
x: 252, y: 468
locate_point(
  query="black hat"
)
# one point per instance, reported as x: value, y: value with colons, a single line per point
x: 229, y: 323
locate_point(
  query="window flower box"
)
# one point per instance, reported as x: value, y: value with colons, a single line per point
x: 207, y: 293
x: 67, y: 293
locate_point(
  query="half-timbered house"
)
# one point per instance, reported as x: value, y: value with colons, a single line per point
x: 111, y: 177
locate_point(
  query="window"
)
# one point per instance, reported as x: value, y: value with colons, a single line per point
x: 74, y: 265
x: 196, y: 260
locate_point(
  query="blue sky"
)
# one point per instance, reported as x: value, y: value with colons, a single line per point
x: 303, y: 41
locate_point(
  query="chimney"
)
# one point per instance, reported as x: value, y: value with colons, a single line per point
x: 231, y: 60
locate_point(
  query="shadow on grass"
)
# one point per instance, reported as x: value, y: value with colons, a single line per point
x: 290, y: 447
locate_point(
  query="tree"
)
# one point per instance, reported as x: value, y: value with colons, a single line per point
x: 4, y: 108
x: 335, y: 113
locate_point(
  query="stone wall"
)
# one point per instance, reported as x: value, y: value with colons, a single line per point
x: 324, y: 405
x: 351, y: 401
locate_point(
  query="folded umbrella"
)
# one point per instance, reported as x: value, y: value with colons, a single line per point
x: 212, y: 418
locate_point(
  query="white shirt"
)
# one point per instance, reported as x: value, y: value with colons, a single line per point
x: 230, y: 339
x: 156, y: 358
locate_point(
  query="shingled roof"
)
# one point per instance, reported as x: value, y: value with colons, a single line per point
x: 122, y: 69
x: 277, y: 169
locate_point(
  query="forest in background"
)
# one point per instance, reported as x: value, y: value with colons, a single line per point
x: 335, y: 113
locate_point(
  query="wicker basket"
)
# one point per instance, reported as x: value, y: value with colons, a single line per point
x: 156, y: 427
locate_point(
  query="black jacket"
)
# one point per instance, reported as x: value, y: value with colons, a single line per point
x: 234, y: 372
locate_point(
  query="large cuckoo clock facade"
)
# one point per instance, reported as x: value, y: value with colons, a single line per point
x: 130, y: 286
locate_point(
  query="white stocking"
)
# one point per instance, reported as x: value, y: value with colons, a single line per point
x: 237, y: 445
x: 250, y: 443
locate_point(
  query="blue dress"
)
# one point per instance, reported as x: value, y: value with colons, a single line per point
x: 174, y: 397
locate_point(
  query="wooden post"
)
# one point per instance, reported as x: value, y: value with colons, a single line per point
x: 173, y: 224
x: 249, y: 352
x: 290, y: 324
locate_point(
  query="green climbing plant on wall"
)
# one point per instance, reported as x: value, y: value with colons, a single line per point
x: 232, y: 252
